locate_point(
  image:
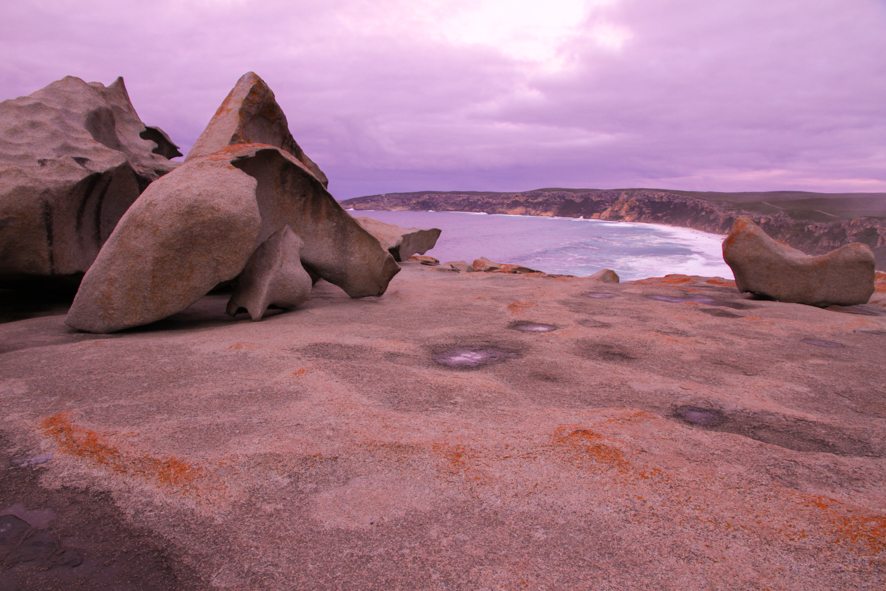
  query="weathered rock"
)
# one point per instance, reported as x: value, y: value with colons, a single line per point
x: 336, y: 248
x: 426, y: 260
x: 401, y: 242
x: 199, y: 226
x: 73, y: 158
x: 250, y: 115
x: 605, y: 276
x: 774, y: 270
x: 273, y: 276
x: 460, y: 266
x: 484, y: 265
x: 189, y: 231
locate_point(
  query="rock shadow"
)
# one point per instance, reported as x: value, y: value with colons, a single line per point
x: 787, y: 432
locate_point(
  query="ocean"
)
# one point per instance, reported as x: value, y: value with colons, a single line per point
x: 571, y: 246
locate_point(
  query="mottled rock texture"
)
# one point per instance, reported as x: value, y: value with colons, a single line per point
x: 250, y: 115
x: 73, y: 157
x: 774, y: 270
x: 402, y: 243
x: 273, y: 276
x: 467, y: 431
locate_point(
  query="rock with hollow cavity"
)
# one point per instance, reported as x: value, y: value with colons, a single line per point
x: 770, y: 269
x: 189, y: 231
x: 273, y: 276
x: 198, y: 226
x: 605, y: 276
x: 250, y: 115
x: 73, y: 157
x: 336, y: 247
x: 401, y: 242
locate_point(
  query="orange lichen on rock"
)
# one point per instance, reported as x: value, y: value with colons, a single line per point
x: 518, y: 307
x: 459, y: 460
x: 587, y: 444
x: 850, y: 527
x: 89, y: 445
x: 880, y: 282
x: 720, y: 282
x: 300, y: 372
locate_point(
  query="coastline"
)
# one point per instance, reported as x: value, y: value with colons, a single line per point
x: 682, y: 250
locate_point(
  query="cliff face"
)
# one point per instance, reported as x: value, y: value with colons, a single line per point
x: 812, y: 222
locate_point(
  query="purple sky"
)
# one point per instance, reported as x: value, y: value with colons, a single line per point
x: 397, y: 95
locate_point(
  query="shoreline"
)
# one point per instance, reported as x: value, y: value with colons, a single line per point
x: 703, y: 258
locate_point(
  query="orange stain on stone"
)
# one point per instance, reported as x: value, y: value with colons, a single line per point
x: 720, y: 282
x: 242, y: 346
x: 585, y: 443
x: 518, y: 307
x: 300, y: 372
x: 851, y: 527
x: 89, y: 445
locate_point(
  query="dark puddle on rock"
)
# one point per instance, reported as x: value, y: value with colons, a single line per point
x: 597, y: 295
x: 871, y: 331
x: 698, y: 299
x: 719, y: 313
x: 822, y: 343
x: 591, y: 323
x: 472, y: 356
x: 77, y: 539
x: 527, y: 326
x: 787, y: 432
x: 611, y: 352
x: 700, y: 416
x: 861, y: 310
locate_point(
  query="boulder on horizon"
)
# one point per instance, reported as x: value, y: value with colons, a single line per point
x: 74, y: 156
x: 273, y: 276
x: 771, y: 269
x: 250, y: 114
x: 605, y: 276
x: 401, y: 242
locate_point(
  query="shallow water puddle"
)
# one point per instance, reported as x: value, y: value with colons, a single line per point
x: 527, y: 326
x: 471, y: 356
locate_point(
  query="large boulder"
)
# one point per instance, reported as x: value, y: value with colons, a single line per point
x: 250, y: 115
x: 198, y: 226
x: 73, y: 157
x: 401, y: 242
x: 189, y: 231
x: 771, y: 269
x: 273, y: 276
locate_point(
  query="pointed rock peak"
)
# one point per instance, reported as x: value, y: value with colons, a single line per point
x: 250, y: 115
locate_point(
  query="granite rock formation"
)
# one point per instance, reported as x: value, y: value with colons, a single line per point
x: 250, y: 115
x: 773, y: 270
x: 201, y: 224
x: 273, y: 276
x: 605, y: 276
x: 73, y: 157
x: 189, y: 231
x: 402, y: 243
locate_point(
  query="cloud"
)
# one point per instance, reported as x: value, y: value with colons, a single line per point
x: 417, y: 94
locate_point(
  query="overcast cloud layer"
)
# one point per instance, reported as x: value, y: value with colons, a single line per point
x: 396, y: 95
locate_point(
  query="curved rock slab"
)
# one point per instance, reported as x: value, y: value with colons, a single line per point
x: 770, y: 269
x: 73, y: 158
x: 335, y: 248
x: 189, y: 231
x: 402, y: 243
x: 250, y: 115
x: 273, y: 276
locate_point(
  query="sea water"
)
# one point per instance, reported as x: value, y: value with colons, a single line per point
x: 571, y: 246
